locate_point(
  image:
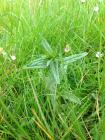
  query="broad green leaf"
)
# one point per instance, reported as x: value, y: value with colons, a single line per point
x: 55, y: 71
x: 41, y: 62
x: 71, y: 97
x: 74, y: 58
x: 47, y: 47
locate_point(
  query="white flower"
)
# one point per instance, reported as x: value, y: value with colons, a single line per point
x: 99, y: 54
x: 96, y: 9
x: 67, y: 48
x: 13, y: 57
x: 83, y: 1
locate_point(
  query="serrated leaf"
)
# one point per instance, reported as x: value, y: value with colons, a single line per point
x: 46, y: 46
x: 54, y: 67
x: 74, y: 58
x: 71, y: 97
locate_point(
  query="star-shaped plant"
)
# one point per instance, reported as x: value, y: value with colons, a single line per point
x: 53, y: 62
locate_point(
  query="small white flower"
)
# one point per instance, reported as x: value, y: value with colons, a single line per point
x: 99, y: 54
x: 13, y: 57
x: 83, y: 1
x: 67, y: 48
x: 96, y: 9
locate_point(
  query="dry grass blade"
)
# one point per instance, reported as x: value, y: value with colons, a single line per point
x: 40, y: 125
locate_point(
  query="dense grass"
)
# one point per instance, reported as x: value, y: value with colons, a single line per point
x: 32, y: 106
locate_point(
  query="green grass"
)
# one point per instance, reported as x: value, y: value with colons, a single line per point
x: 32, y: 105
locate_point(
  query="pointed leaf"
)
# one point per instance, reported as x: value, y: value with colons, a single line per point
x: 47, y: 47
x: 38, y: 63
x: 55, y: 71
x: 71, y: 97
x: 74, y: 58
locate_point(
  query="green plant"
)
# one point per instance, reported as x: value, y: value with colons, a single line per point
x: 36, y: 104
x: 53, y: 62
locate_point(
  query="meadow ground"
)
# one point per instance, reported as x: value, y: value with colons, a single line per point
x: 43, y: 96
